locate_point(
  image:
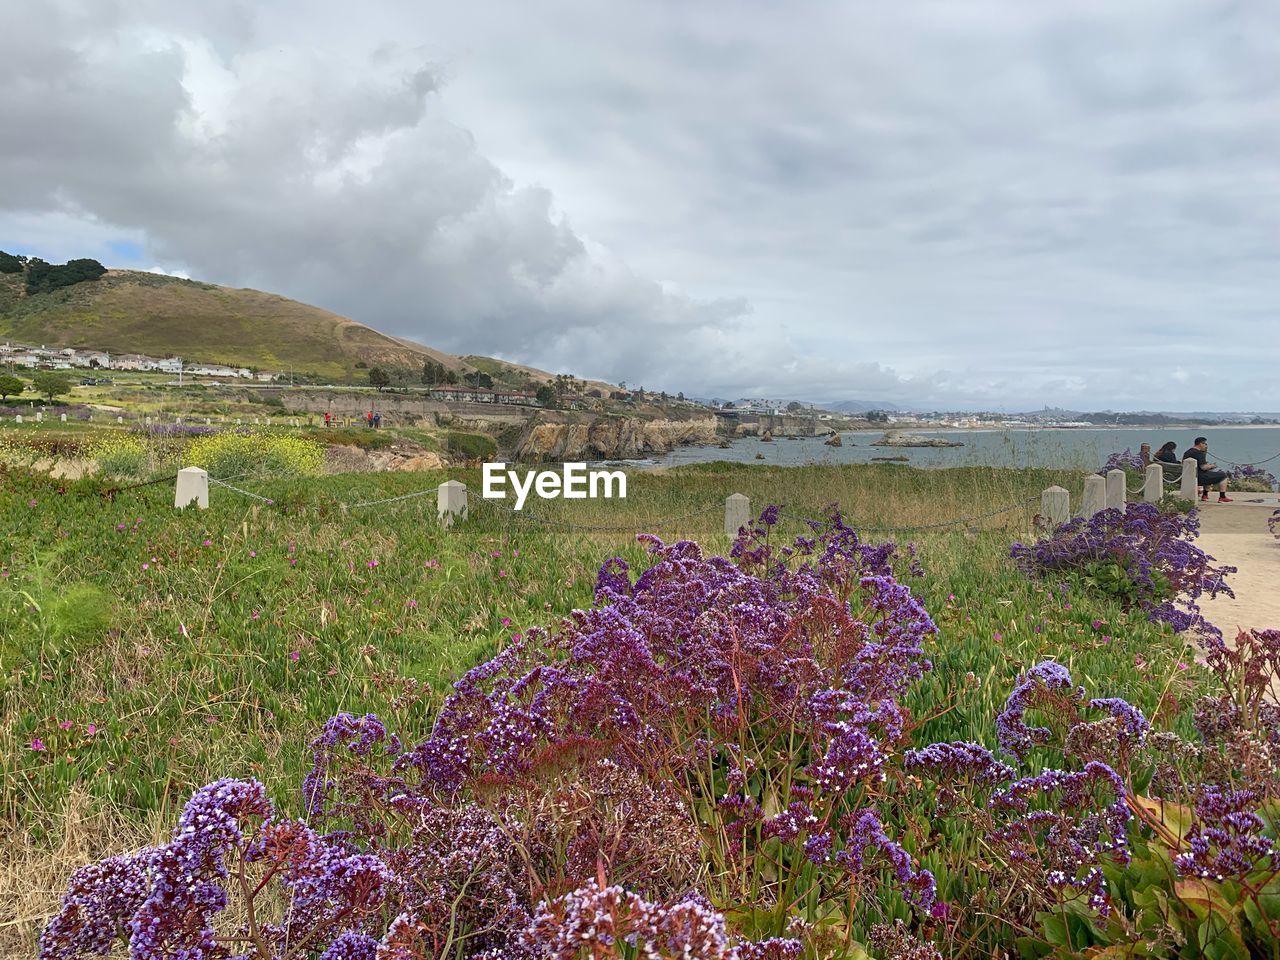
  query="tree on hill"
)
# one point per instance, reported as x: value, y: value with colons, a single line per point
x: 51, y: 383
x: 10, y: 263
x: 43, y: 277
x: 794, y: 406
x: 877, y: 416
x: 433, y: 373
x: 546, y: 395
x: 478, y: 378
x: 378, y: 378
x: 10, y: 386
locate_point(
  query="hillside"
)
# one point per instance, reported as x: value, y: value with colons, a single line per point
x: 128, y: 311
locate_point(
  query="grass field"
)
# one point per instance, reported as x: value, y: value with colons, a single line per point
x: 146, y: 651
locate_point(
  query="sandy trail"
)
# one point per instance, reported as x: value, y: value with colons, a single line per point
x: 1237, y: 534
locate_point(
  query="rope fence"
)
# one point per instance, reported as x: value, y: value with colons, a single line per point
x: 1111, y: 491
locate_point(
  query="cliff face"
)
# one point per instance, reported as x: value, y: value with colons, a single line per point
x: 610, y: 438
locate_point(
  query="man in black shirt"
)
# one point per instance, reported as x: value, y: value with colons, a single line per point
x: 1207, y: 474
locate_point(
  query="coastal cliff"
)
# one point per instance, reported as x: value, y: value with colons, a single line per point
x: 610, y: 438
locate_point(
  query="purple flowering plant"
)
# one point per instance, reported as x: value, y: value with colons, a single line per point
x: 1127, y: 461
x: 1143, y: 557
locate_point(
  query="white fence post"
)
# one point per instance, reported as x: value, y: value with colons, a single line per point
x: 119, y: 419
x: 1187, y: 488
x: 1055, y: 506
x: 1153, y: 485
x: 1116, y: 493
x: 62, y: 417
x: 451, y: 502
x: 193, y: 487
x: 17, y: 418
x: 737, y: 513
x: 1095, y: 496
x: 39, y: 417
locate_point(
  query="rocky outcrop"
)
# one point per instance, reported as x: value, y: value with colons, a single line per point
x: 896, y: 439
x: 609, y: 438
x: 834, y: 441
x: 351, y: 459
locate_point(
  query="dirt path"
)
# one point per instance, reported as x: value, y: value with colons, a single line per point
x: 1237, y: 534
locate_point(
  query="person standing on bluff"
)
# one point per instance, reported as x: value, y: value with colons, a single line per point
x: 1207, y: 474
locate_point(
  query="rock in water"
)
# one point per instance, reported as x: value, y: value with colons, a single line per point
x: 895, y: 438
x: 834, y: 441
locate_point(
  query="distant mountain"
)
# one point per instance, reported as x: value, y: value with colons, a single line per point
x: 860, y: 406
x: 127, y: 311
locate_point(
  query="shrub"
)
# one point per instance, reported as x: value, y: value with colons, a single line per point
x: 246, y: 453
x: 1127, y: 461
x: 708, y: 724
x: 1246, y: 476
x: 472, y: 446
x: 120, y: 455
x: 1141, y: 556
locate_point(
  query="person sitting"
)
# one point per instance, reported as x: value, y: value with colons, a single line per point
x: 1167, y: 457
x: 1207, y: 474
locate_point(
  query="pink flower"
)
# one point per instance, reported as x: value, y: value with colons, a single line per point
x: 119, y: 526
x: 502, y: 573
x: 66, y: 725
x: 371, y: 564
x: 515, y: 553
x: 294, y: 655
x: 1181, y: 665
x: 253, y: 553
x: 31, y: 503
x: 91, y: 729
x: 207, y: 543
x: 146, y: 566
x: 254, y: 615
x: 412, y: 604
x: 506, y: 621
x: 497, y: 553
x: 997, y: 636
x: 432, y: 564
x: 37, y: 745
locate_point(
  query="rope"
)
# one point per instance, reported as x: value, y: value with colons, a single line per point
x: 1255, y: 463
x: 243, y: 493
x: 403, y: 496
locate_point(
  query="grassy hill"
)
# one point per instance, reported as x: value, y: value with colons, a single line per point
x: 128, y: 311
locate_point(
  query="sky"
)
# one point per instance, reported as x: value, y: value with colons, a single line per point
x: 988, y: 204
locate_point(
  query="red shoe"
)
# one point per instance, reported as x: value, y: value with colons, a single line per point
x: 1223, y: 499
x: 1204, y: 497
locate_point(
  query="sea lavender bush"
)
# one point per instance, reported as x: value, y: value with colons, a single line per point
x: 1128, y: 461
x: 1245, y: 476
x: 1141, y: 556
x: 711, y: 732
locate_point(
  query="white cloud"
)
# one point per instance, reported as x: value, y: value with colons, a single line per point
x: 993, y: 203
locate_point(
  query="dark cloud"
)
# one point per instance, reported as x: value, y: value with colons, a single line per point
x: 990, y: 203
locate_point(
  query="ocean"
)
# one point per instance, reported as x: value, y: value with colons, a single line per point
x: 1085, y: 449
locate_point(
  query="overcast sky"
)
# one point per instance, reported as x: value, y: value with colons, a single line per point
x: 985, y: 203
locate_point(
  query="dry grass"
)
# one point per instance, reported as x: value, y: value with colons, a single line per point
x: 34, y: 871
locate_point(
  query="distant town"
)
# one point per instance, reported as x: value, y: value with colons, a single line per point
x: 484, y: 390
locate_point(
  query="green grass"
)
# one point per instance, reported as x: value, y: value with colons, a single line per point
x: 197, y: 648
